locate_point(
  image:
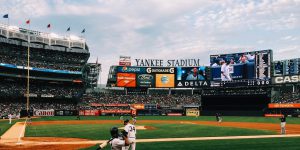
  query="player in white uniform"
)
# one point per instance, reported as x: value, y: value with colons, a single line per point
x: 130, y: 129
x: 9, y: 117
x: 225, y: 75
x: 116, y: 142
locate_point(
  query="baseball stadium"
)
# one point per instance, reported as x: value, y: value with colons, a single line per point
x: 49, y: 94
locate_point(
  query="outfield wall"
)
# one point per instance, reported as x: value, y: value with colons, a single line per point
x: 249, y: 105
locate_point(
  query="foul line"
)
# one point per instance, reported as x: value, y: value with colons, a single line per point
x: 22, y: 132
x: 163, y: 139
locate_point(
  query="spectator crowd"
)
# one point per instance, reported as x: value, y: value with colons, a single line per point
x: 286, y: 94
x: 17, y: 89
x: 42, y: 58
x: 159, y: 99
x: 14, y: 108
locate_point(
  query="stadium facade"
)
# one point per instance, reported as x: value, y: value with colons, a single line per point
x: 257, y: 86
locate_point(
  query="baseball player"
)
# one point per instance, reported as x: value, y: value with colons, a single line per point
x: 217, y: 117
x: 117, y: 141
x: 9, y: 117
x: 282, y: 124
x: 130, y: 129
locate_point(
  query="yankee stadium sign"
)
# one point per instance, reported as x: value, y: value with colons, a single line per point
x: 167, y: 63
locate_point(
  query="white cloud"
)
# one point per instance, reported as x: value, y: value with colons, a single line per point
x: 267, y: 14
x: 173, y: 28
x: 289, y: 38
x: 25, y: 9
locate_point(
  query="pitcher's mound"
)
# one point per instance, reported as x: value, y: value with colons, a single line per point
x: 141, y: 128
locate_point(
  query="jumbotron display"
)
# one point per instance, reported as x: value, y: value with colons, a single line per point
x: 237, y: 66
x: 226, y: 70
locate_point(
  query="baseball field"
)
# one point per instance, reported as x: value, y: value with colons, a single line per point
x: 153, y: 132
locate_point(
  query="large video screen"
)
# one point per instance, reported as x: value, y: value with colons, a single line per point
x: 237, y: 66
x: 191, y: 77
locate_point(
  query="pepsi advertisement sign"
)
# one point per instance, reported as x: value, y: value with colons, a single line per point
x: 145, y: 80
x: 129, y: 69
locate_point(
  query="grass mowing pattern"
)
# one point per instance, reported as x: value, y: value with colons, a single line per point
x: 201, y: 118
x: 242, y: 144
x: 101, y: 131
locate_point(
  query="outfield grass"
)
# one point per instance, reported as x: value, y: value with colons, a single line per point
x: 101, y: 131
x: 4, y: 126
x: 244, y: 144
x: 201, y: 118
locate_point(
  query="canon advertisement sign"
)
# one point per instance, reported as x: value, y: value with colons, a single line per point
x: 49, y: 112
x: 286, y: 79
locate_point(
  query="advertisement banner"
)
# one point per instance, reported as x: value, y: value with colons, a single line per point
x: 276, y: 105
x: 192, y: 112
x: 164, y: 70
x: 115, y: 111
x: 128, y: 69
x: 65, y: 112
x: 89, y: 112
x: 164, y: 80
x: 273, y: 115
x: 192, y: 84
x: 286, y: 79
x: 125, y: 61
x: 47, y: 95
x: 38, y: 112
x: 126, y: 80
x: 96, y: 104
x: 138, y: 106
x: 145, y: 80
x: 174, y: 114
x: 115, y: 105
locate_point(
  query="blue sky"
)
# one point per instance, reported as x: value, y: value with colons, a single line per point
x: 165, y: 29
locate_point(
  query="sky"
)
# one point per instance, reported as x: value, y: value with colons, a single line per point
x: 166, y: 29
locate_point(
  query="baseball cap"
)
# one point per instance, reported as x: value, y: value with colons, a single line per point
x: 126, y: 120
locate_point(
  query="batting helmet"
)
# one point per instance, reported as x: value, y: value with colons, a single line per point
x: 126, y: 121
x: 114, y: 132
